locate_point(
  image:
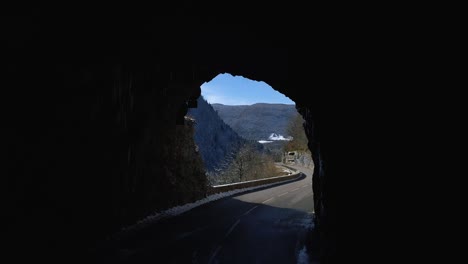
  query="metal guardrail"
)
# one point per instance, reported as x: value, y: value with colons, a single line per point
x: 252, y: 183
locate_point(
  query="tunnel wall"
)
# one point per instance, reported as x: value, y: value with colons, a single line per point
x: 94, y: 109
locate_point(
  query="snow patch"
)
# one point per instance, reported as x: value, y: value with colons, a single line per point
x: 307, y: 223
x: 275, y: 136
x: 303, y: 257
x: 264, y: 141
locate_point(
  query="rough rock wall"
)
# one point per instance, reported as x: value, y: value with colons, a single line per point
x: 95, y: 148
x: 90, y: 139
x: 305, y: 160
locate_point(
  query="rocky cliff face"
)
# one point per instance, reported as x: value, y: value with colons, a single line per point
x: 185, y: 179
x: 304, y: 159
x: 217, y: 142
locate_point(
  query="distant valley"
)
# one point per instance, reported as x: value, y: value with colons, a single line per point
x: 262, y: 122
x: 222, y: 129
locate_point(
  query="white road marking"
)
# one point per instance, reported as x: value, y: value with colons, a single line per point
x: 268, y: 200
x: 232, y: 228
x: 246, y: 213
x: 294, y: 190
x: 283, y: 194
x: 214, y: 254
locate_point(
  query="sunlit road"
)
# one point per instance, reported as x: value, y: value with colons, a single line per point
x: 266, y: 226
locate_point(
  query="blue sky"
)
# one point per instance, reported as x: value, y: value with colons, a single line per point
x: 236, y: 90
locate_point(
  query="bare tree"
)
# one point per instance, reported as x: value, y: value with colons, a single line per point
x: 247, y: 164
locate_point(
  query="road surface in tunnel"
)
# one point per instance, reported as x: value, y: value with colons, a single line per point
x: 265, y: 226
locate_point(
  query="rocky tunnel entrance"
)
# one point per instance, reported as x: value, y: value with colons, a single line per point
x: 92, y: 144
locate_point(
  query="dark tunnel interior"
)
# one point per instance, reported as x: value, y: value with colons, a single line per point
x: 93, y: 102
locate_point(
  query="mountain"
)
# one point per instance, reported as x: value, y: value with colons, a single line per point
x: 216, y: 140
x: 266, y: 123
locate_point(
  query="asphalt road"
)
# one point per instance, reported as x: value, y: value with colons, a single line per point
x: 265, y: 226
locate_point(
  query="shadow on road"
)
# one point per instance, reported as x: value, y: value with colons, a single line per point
x: 217, y: 232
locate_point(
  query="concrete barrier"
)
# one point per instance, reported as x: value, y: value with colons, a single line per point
x: 240, y: 185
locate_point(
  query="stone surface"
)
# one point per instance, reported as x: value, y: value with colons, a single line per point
x: 95, y: 108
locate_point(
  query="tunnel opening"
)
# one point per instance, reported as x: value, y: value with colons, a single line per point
x: 248, y: 119
x: 244, y: 164
x: 243, y: 127
x: 213, y: 153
